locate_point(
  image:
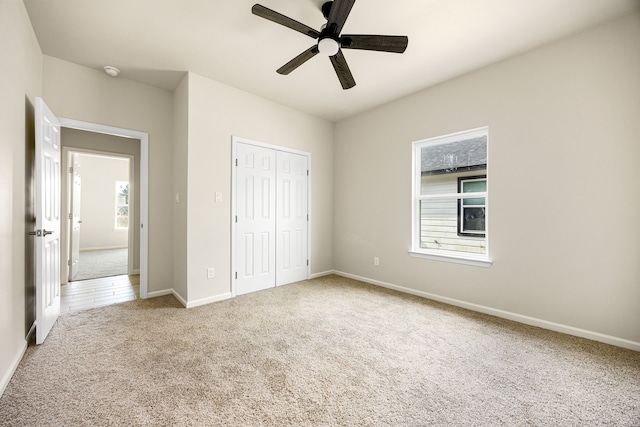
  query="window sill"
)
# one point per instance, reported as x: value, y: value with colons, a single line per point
x: 453, y: 257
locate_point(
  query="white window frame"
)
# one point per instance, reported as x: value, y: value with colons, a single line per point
x: 119, y: 205
x: 480, y: 260
x: 461, y: 229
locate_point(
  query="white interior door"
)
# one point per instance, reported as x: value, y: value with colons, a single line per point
x: 291, y: 218
x: 271, y: 213
x: 255, y: 217
x: 74, y: 215
x: 47, y: 188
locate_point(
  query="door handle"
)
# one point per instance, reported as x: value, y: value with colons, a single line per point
x: 39, y: 233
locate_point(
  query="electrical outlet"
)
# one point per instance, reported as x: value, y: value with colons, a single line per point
x: 211, y: 273
x: 376, y: 261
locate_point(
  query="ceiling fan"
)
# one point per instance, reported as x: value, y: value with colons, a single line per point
x: 330, y: 42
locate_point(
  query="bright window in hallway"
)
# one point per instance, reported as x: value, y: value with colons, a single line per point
x: 122, y: 204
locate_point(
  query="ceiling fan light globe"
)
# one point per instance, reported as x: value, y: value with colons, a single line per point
x: 328, y: 46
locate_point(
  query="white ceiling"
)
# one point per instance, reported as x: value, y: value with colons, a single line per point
x: 156, y: 41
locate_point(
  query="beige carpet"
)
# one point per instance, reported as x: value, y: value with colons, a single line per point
x: 102, y: 263
x: 326, y: 352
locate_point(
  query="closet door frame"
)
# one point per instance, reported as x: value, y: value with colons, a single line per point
x: 235, y: 140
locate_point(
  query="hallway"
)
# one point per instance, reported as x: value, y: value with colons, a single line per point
x: 85, y: 294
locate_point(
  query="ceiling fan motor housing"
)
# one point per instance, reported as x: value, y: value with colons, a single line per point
x: 329, y: 41
x: 326, y: 8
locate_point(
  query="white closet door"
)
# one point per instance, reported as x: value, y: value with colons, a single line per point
x: 256, y: 218
x: 291, y: 218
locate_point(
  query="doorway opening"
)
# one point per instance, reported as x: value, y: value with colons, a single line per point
x: 104, y: 141
x: 100, y: 227
x: 101, y: 214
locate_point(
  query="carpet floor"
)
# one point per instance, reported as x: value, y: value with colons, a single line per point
x: 102, y: 263
x: 324, y: 352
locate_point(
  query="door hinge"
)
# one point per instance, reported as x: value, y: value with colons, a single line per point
x: 236, y: 219
x: 307, y: 217
x: 236, y: 162
x: 69, y: 263
x: 236, y: 274
x: 307, y: 172
x: 307, y: 263
x: 70, y: 216
x: 71, y: 169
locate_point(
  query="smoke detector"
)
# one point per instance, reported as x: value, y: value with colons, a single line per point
x: 112, y: 71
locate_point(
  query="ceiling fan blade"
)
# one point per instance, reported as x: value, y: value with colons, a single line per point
x: 338, y: 14
x: 342, y: 70
x: 298, y: 60
x: 397, y: 44
x: 278, y: 18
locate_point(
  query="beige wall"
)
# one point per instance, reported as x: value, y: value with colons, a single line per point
x: 20, y: 83
x: 216, y: 113
x: 76, y: 92
x: 98, y: 202
x: 563, y: 178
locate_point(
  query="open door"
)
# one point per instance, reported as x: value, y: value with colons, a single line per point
x: 47, y: 189
x: 74, y: 216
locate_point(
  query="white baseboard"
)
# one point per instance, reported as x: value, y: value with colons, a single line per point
x: 208, y: 300
x: 322, y: 274
x: 527, y: 320
x: 179, y: 298
x: 136, y: 271
x: 164, y: 292
x: 156, y: 294
x: 189, y: 304
x: 12, y: 368
x: 102, y: 248
x: 32, y: 330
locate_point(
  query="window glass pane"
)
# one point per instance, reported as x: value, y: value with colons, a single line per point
x: 472, y: 186
x: 122, y: 193
x: 439, y: 227
x: 122, y: 204
x: 473, y: 202
x: 438, y: 184
x: 454, y: 157
x: 473, y: 219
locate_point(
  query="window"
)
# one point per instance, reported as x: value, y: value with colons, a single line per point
x: 450, y: 198
x: 122, y: 204
x: 471, y: 212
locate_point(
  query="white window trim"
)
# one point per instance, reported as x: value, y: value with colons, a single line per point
x: 483, y: 260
